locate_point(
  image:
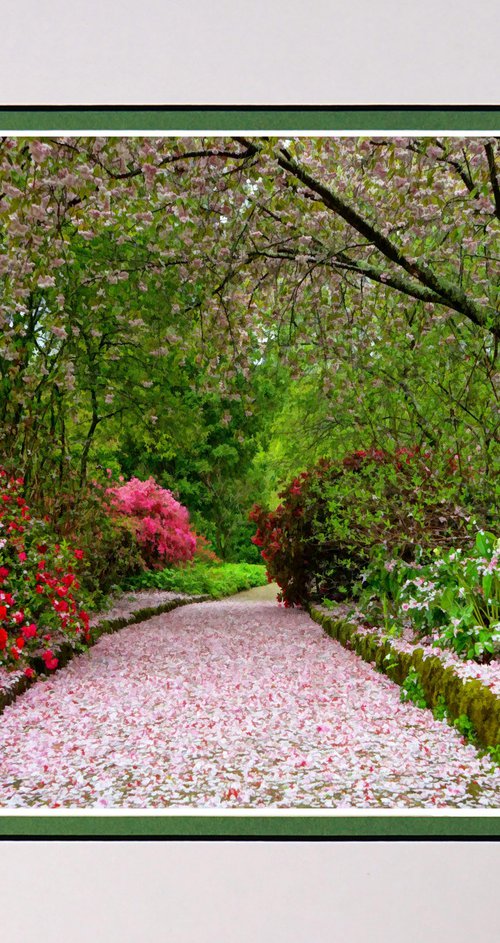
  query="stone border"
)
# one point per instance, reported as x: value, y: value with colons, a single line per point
x: 104, y: 627
x: 469, y: 697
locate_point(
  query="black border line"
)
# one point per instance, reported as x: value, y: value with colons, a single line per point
x: 263, y: 839
x: 249, y: 108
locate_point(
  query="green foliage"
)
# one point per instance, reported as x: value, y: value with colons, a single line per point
x: 440, y: 709
x: 221, y: 331
x: 412, y: 690
x: 466, y: 728
x: 328, y: 603
x: 335, y: 516
x: 109, y: 542
x: 455, y: 598
x: 494, y: 753
x: 215, y: 580
x: 112, y: 554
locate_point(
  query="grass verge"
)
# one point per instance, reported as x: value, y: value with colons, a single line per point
x: 215, y: 579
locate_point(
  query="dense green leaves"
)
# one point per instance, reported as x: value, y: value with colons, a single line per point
x: 202, y: 579
x: 337, y: 517
x: 220, y: 313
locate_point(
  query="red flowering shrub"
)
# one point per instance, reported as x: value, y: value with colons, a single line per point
x: 334, y: 517
x: 40, y: 598
x: 107, y: 540
x: 161, y: 523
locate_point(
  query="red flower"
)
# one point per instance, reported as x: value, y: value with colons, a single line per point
x: 50, y: 661
x: 60, y: 605
x: 3, y: 572
x: 79, y: 554
x: 4, y: 638
x: 20, y: 642
x: 22, y: 556
x: 3, y: 612
x: 29, y: 673
x: 29, y: 631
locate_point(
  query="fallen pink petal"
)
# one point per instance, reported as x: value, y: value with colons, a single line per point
x: 226, y: 705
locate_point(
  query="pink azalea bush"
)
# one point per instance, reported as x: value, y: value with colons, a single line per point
x: 161, y: 522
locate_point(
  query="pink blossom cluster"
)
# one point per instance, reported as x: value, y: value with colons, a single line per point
x: 161, y: 522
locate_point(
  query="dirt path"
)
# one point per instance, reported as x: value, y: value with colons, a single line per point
x: 227, y: 704
x: 265, y: 593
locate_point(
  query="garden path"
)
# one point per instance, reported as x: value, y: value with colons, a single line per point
x: 229, y: 704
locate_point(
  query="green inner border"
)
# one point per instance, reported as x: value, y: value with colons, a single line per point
x: 251, y: 119
x: 46, y: 826
x: 248, y: 118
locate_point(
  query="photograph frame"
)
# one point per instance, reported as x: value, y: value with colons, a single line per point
x: 190, y: 120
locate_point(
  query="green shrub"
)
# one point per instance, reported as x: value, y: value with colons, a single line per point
x: 333, y: 518
x: 465, y: 727
x: 87, y: 519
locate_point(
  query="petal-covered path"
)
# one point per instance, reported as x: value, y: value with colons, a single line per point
x: 226, y: 704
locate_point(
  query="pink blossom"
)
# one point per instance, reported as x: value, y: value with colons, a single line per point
x: 162, y: 523
x: 231, y: 704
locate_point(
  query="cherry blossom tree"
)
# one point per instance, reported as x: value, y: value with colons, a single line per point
x: 128, y: 261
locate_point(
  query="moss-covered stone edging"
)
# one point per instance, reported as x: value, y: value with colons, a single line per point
x: 66, y: 652
x: 463, y: 697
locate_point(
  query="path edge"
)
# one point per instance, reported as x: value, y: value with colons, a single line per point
x: 65, y: 653
x: 471, y: 697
